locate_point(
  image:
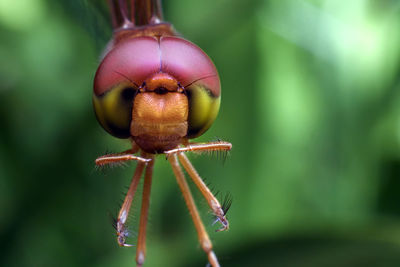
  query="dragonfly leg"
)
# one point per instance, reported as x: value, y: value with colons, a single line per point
x: 120, y: 158
x: 212, y: 201
x: 208, y: 195
x: 141, y: 246
x: 200, y: 147
x: 204, y: 239
x: 122, y: 232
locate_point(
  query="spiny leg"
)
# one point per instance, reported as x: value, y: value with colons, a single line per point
x: 204, y: 240
x: 116, y: 158
x: 122, y: 233
x: 141, y: 246
x: 211, y: 199
x: 211, y: 146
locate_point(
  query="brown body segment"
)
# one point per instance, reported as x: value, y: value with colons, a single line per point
x: 160, y: 114
x: 159, y: 121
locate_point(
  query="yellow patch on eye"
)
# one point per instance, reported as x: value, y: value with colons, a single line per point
x: 113, y: 113
x: 203, y: 110
x: 98, y: 109
x: 115, y: 110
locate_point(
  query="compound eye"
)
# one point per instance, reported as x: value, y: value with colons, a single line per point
x: 123, y: 69
x: 113, y: 109
x: 203, y: 109
x: 198, y: 76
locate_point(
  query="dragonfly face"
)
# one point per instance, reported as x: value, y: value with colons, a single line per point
x: 159, y: 91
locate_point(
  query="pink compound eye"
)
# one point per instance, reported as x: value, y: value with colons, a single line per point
x: 128, y: 65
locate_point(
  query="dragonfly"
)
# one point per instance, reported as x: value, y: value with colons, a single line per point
x: 158, y: 90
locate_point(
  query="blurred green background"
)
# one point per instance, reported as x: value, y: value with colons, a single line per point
x: 311, y: 103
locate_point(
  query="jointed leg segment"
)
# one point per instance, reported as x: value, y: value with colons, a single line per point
x: 126, y: 206
x: 120, y: 157
x: 122, y: 232
x: 208, y: 195
x: 141, y: 246
x: 201, y: 231
x: 211, y: 146
x: 148, y: 160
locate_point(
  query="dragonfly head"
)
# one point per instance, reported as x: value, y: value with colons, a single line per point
x: 158, y: 91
